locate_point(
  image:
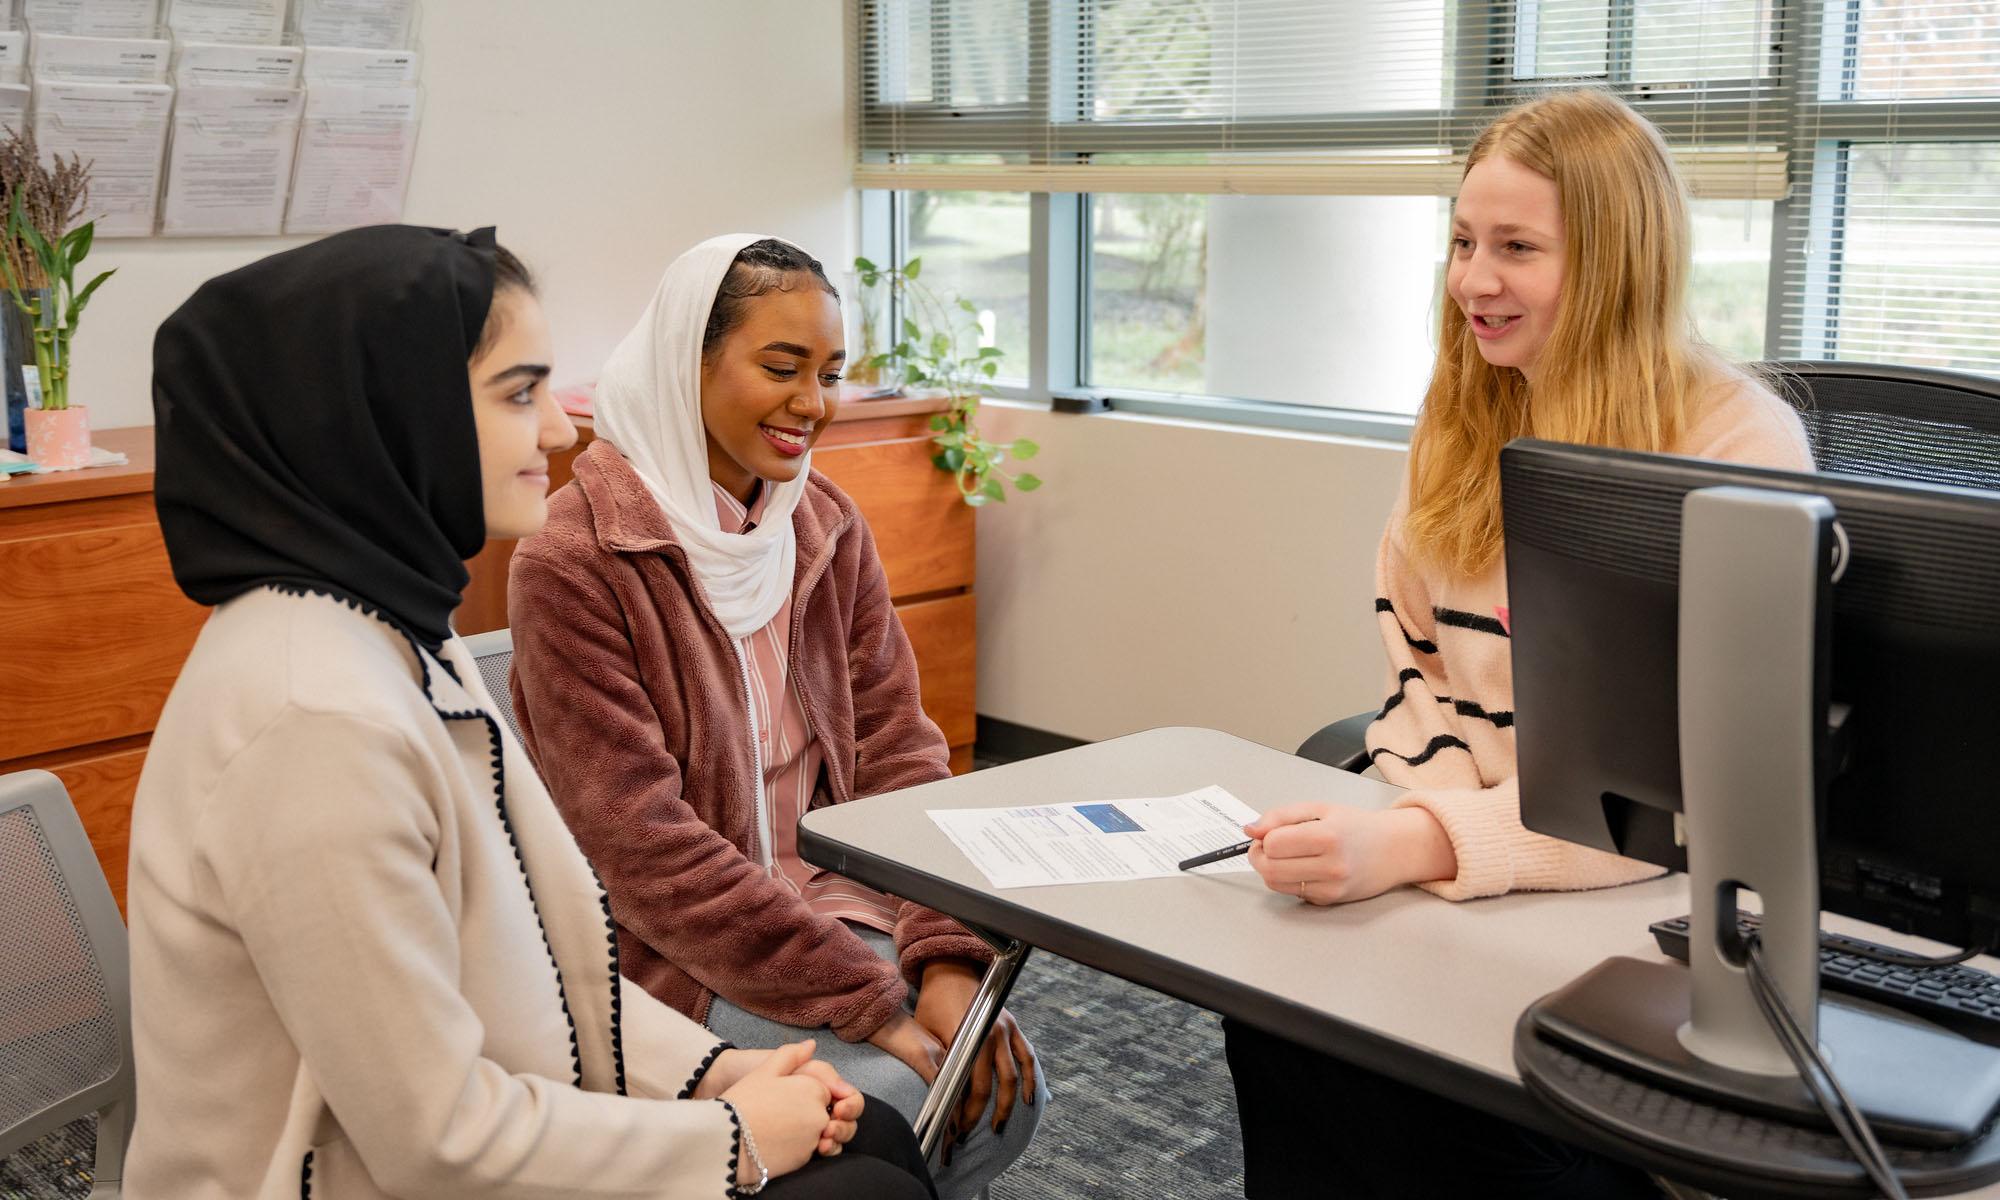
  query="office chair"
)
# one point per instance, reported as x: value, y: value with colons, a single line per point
x: 65, y: 1001
x: 1889, y: 422
x: 493, y: 653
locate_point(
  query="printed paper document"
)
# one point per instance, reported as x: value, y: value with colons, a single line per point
x: 354, y: 158
x: 121, y: 131
x: 204, y: 64
x: 347, y: 65
x: 250, y: 21
x: 100, y: 59
x: 104, y: 18
x: 1098, y: 841
x: 376, y: 24
x: 231, y: 160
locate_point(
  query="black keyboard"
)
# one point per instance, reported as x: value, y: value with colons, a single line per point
x: 1960, y: 998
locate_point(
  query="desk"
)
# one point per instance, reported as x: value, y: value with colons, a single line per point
x: 1403, y: 984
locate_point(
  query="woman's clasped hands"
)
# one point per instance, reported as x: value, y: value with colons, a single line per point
x: 794, y: 1105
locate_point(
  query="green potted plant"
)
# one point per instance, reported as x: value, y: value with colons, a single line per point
x: 938, y: 346
x: 40, y: 249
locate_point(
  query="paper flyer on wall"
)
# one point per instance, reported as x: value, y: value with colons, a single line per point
x: 121, y: 131
x: 244, y: 21
x: 14, y: 99
x: 1098, y: 841
x: 101, y: 59
x: 13, y: 56
x: 375, y: 24
x: 211, y: 64
x: 356, y: 147
x: 98, y: 18
x: 231, y: 160
x: 352, y: 65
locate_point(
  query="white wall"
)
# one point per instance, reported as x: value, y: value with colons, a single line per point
x: 602, y: 137
x: 1180, y: 573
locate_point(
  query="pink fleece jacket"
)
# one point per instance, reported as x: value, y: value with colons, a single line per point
x: 631, y: 702
x: 1446, y: 731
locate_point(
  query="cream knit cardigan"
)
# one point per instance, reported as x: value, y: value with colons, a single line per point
x: 367, y: 958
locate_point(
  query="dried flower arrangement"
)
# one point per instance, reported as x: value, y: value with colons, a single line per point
x: 40, y: 249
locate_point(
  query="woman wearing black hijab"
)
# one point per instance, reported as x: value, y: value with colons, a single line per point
x: 367, y: 959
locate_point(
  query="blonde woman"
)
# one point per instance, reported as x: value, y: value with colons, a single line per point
x: 1564, y: 318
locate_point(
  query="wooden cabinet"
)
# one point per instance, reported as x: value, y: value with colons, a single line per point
x: 92, y: 633
x: 879, y: 452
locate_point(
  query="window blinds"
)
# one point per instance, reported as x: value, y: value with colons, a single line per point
x: 1891, y: 246
x: 1291, y: 96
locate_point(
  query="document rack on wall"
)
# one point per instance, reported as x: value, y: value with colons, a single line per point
x: 221, y: 118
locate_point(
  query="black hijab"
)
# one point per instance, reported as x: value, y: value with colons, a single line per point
x: 314, y: 424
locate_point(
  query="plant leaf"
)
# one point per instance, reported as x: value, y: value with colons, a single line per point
x: 83, y: 297
x: 989, y: 368
x: 968, y: 305
x: 911, y: 331
x: 994, y: 490
x: 940, y: 421
x: 1023, y: 448
x: 940, y: 344
x: 862, y: 264
x: 1028, y: 483
x: 911, y: 268
x: 954, y: 459
x: 990, y: 352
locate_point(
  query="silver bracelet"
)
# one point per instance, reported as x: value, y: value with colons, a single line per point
x: 756, y: 1159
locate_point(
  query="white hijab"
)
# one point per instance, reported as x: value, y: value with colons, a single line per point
x: 649, y: 405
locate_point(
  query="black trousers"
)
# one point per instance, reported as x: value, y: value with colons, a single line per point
x: 1315, y: 1126
x: 883, y: 1162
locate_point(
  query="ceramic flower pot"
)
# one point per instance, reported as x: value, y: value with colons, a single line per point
x: 60, y: 438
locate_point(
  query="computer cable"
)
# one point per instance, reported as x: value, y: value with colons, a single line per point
x: 1896, y: 958
x: 1819, y: 1078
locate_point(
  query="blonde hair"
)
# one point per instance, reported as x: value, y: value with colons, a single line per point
x: 1622, y: 363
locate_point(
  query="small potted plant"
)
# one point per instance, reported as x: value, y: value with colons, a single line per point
x: 939, y: 348
x: 41, y: 247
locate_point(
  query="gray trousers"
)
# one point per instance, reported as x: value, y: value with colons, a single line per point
x: 882, y: 1075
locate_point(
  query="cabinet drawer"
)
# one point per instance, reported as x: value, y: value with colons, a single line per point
x: 941, y: 633
x: 92, y: 627
x: 101, y: 782
x: 923, y: 531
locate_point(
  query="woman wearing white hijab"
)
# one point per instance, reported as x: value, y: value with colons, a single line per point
x: 704, y: 649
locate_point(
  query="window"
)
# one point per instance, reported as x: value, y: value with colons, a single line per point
x: 1321, y: 301
x: 1245, y: 199
x: 975, y: 245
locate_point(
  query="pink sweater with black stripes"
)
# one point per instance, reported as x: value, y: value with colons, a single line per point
x: 1446, y: 731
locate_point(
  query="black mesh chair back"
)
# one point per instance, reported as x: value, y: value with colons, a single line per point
x: 1909, y: 423
x: 65, y: 1003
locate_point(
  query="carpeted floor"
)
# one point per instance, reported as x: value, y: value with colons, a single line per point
x: 1142, y: 1105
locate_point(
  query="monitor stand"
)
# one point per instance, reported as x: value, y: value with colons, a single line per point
x: 1755, y: 603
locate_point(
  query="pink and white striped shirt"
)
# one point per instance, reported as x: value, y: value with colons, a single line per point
x: 791, y: 755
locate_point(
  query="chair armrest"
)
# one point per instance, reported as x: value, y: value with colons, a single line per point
x: 1342, y: 744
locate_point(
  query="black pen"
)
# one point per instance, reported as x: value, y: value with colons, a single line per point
x: 1202, y: 860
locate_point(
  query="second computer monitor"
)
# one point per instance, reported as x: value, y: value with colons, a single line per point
x: 1911, y: 774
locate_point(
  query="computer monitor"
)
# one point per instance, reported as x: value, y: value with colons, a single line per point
x: 1911, y: 776
x: 1780, y: 682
